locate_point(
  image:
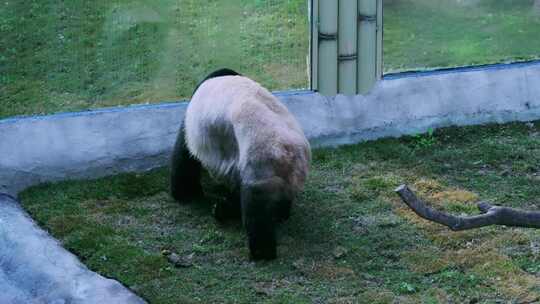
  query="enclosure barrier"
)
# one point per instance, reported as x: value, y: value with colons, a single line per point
x: 103, y: 142
x: 346, y: 46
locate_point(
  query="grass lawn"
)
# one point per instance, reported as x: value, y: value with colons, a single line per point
x: 75, y: 55
x: 79, y: 54
x: 349, y: 239
x: 427, y: 34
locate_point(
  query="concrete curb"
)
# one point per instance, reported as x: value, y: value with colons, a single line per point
x: 34, y: 268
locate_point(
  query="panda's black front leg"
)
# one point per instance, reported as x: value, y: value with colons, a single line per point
x: 185, y: 175
x: 259, y: 222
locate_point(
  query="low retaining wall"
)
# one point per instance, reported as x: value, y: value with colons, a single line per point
x: 104, y: 142
x: 34, y: 268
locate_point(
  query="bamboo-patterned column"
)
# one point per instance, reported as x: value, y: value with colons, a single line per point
x: 347, y: 46
x: 367, y: 45
x: 328, y: 48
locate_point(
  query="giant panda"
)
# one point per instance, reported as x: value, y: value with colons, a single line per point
x: 241, y: 133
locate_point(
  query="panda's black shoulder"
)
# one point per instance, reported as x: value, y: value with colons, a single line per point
x: 217, y: 73
x: 220, y: 73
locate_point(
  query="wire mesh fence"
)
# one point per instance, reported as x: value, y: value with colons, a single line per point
x: 60, y: 55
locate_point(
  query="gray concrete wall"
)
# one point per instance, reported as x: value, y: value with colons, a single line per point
x: 103, y: 142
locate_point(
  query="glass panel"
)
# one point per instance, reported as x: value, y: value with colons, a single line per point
x: 428, y: 34
x: 60, y: 55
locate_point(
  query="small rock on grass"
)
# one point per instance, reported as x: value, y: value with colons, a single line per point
x: 177, y: 260
x: 264, y: 289
x: 506, y: 172
x: 340, y: 252
x: 298, y: 264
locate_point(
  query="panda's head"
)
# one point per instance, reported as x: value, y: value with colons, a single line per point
x: 263, y: 205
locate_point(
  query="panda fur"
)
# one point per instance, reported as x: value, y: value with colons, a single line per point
x: 240, y: 132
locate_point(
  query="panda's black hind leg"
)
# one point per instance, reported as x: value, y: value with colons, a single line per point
x: 185, y: 177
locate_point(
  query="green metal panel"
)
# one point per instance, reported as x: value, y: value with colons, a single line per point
x: 367, y: 45
x: 347, y: 46
x: 328, y: 48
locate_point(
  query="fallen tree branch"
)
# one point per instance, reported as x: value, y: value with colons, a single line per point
x: 491, y: 215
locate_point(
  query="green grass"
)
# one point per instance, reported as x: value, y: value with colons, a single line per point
x: 426, y: 34
x: 349, y: 239
x: 75, y: 55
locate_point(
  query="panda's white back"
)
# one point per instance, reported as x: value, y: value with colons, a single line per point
x: 234, y: 125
